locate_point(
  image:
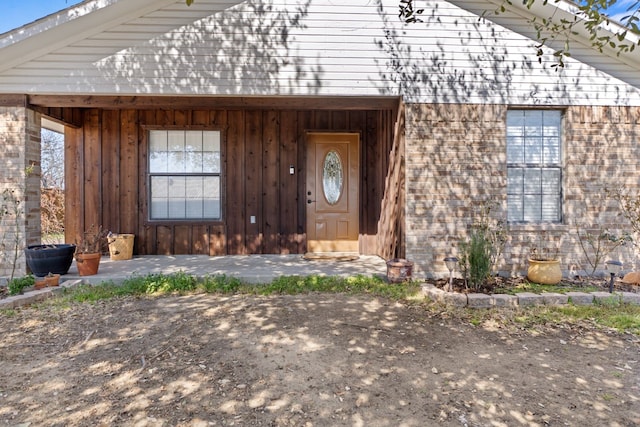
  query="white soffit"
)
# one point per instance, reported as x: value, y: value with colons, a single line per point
x: 92, y: 18
x: 567, y: 10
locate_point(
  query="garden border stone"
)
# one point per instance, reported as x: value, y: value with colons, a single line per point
x: 504, y: 300
x: 552, y: 298
x: 31, y: 297
x: 479, y: 301
x: 630, y: 298
x: 526, y: 299
x: 580, y: 298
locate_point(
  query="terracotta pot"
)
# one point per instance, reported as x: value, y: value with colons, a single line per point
x: 52, y: 280
x: 399, y: 270
x: 545, y: 272
x: 88, y: 263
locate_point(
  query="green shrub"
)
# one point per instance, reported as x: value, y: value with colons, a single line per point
x: 17, y: 285
x: 221, y: 284
x: 475, y: 255
x: 177, y: 282
x: 480, y: 252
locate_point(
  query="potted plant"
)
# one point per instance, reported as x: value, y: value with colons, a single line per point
x: 544, y: 265
x: 89, y: 250
x: 52, y: 280
x: 45, y: 259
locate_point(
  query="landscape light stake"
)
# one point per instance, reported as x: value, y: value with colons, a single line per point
x: 614, y: 267
x: 451, y: 263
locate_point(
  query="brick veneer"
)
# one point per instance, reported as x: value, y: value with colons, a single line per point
x: 456, y: 158
x: 20, y: 130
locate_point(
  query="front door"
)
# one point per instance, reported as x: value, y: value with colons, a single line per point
x: 333, y: 180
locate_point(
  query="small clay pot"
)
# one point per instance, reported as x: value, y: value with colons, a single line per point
x: 545, y: 272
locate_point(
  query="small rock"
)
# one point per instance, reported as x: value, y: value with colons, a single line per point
x: 434, y: 370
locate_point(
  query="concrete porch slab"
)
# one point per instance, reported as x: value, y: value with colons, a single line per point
x: 248, y: 268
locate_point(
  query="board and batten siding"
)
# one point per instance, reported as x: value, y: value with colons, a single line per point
x: 106, y: 178
x: 325, y: 48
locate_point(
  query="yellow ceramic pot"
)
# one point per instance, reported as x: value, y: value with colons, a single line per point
x: 545, y: 272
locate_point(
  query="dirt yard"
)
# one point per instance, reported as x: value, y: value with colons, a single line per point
x: 309, y: 360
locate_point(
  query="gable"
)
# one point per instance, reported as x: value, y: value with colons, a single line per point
x: 317, y: 48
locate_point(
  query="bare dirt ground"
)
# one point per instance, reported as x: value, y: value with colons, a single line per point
x: 306, y: 360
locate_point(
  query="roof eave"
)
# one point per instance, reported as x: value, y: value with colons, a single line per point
x: 568, y: 10
x: 68, y: 26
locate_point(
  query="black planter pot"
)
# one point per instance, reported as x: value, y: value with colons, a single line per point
x: 45, y: 259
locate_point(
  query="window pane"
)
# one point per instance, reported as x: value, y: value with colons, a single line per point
x: 175, y: 139
x: 185, y: 197
x: 177, y: 187
x: 158, y: 151
x: 211, y: 141
x: 551, y: 151
x: 551, y: 208
x: 533, y: 151
x: 160, y: 208
x: 211, y: 162
x: 533, y: 123
x: 532, y: 206
x: 193, y: 142
x: 157, y: 141
x: 193, y: 162
x: 515, y: 123
x: 552, y: 122
x: 532, y: 181
x: 188, y: 194
x: 515, y: 149
x: 194, y: 208
x: 160, y: 186
x: 176, y: 162
x: 515, y: 181
x: 158, y: 162
x: 534, y: 189
x: 177, y: 208
x: 515, y: 212
x: 551, y: 181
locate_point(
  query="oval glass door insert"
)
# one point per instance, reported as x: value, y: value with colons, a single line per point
x: 332, y: 177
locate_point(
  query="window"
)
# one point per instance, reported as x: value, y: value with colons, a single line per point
x: 534, y: 169
x: 184, y: 175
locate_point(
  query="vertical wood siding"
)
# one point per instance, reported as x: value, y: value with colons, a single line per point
x: 106, y: 165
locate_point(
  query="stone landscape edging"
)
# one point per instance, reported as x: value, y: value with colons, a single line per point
x: 456, y: 299
x: 526, y: 299
x: 31, y: 297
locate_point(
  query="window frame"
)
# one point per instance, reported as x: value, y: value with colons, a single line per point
x: 541, y: 166
x: 149, y: 175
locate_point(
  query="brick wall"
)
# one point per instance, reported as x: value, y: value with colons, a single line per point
x: 456, y: 159
x: 20, y: 134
